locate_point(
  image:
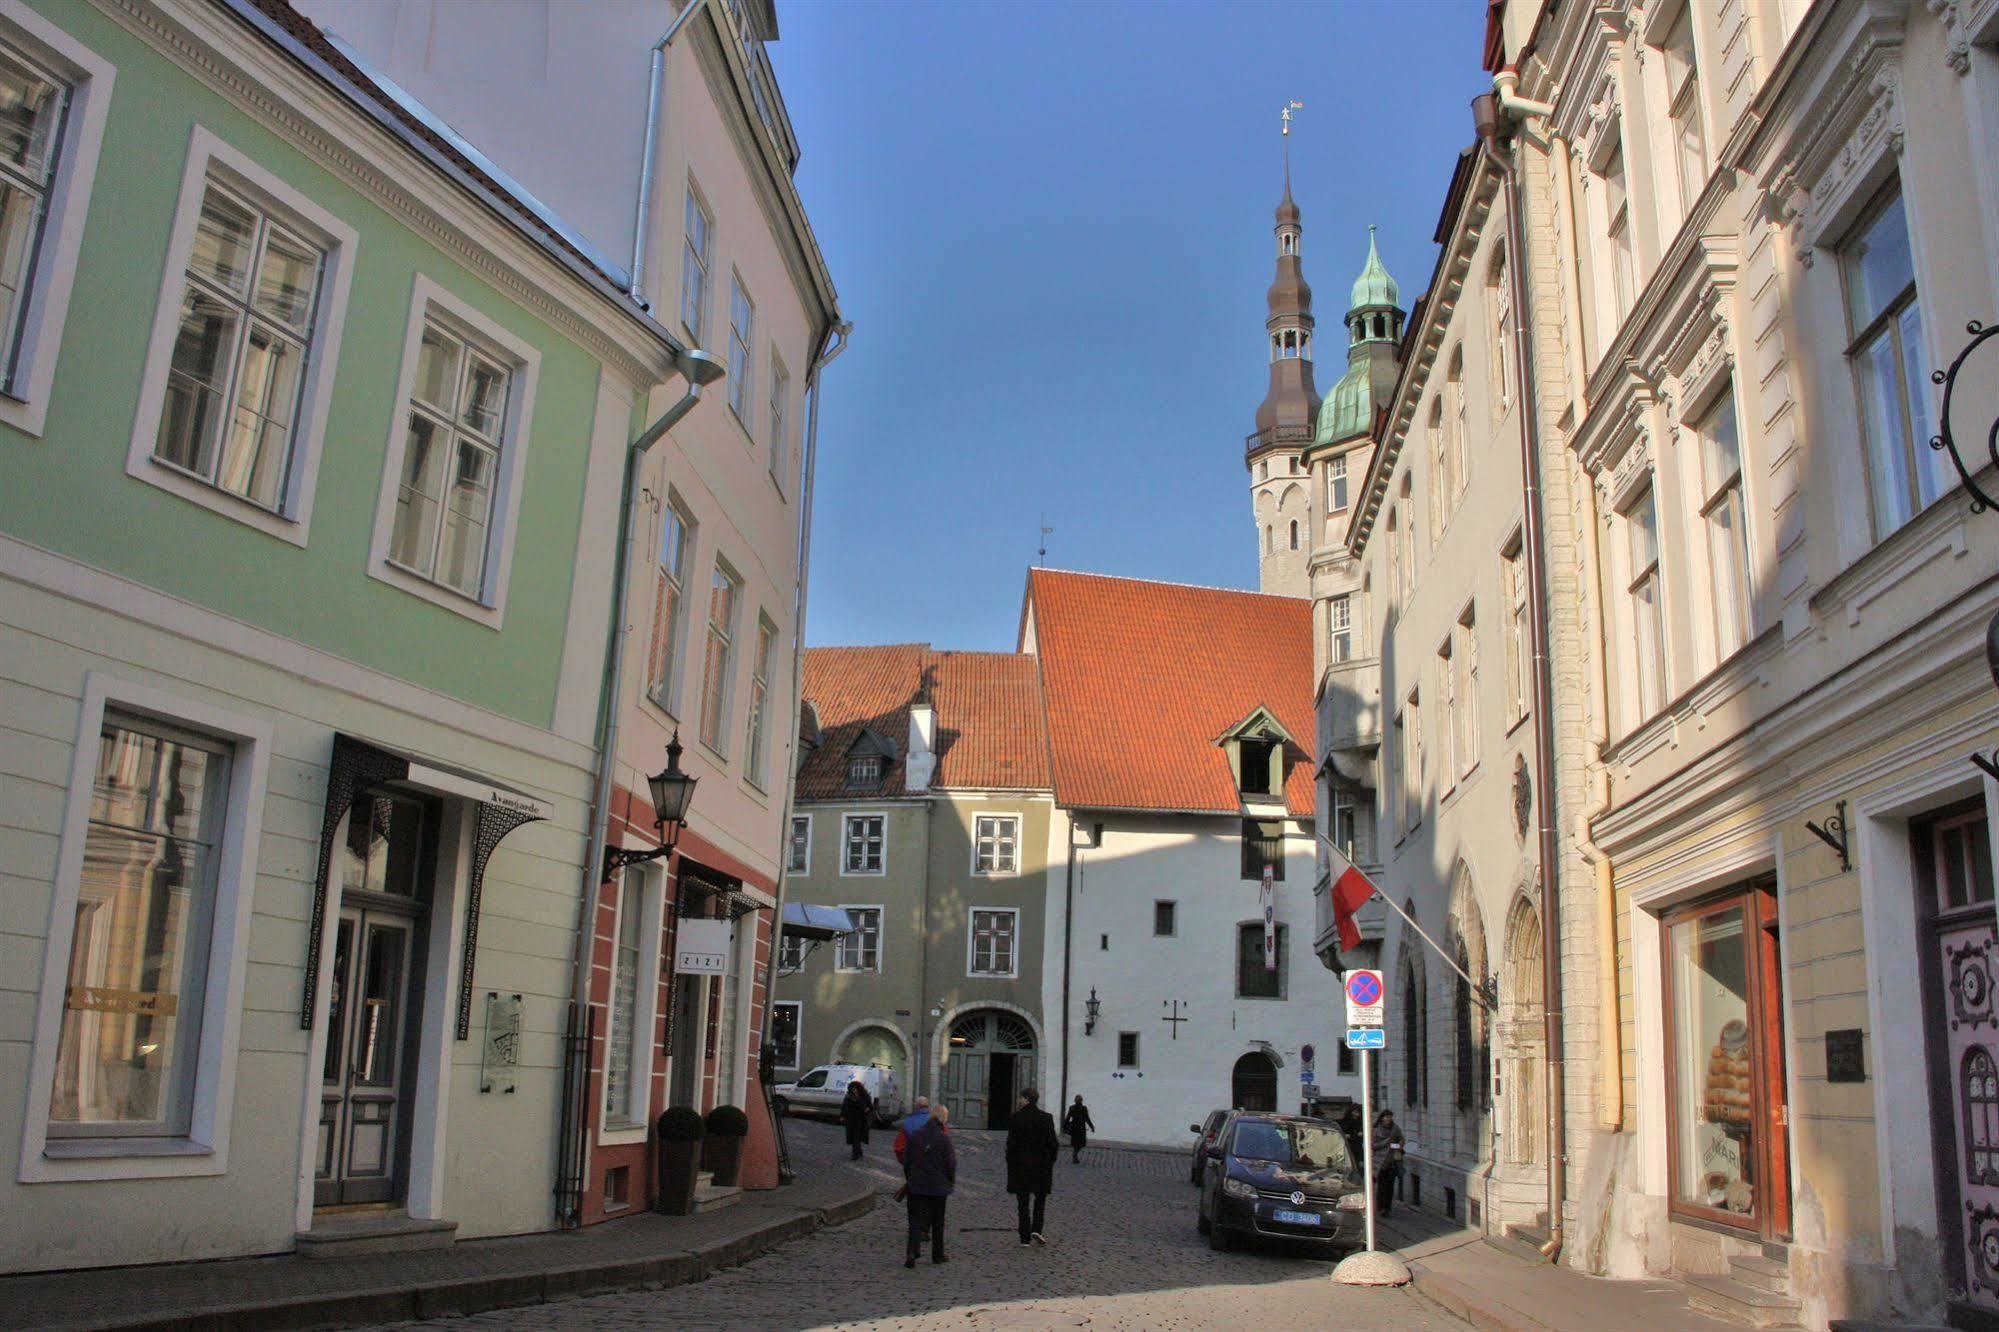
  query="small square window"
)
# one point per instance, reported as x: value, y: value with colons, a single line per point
x: 1262, y: 844
x: 996, y: 842
x: 1127, y: 1049
x: 864, y: 851
x: 1165, y: 918
x: 864, y: 771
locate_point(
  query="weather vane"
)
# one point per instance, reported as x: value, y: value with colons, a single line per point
x: 1294, y: 105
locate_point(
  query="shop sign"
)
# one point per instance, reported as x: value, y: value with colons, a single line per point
x: 702, y: 948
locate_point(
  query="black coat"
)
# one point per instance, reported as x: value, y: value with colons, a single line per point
x: 930, y: 1161
x: 855, y: 1112
x: 1031, y: 1149
x: 1078, y: 1121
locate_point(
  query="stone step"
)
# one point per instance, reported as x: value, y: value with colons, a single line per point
x: 711, y: 1197
x: 1522, y: 1242
x: 1725, y: 1297
x: 1762, y: 1273
x: 345, y: 1234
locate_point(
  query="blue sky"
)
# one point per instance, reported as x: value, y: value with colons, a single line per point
x: 1051, y: 225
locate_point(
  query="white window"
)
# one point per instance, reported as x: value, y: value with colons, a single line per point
x: 1456, y: 469
x: 992, y: 942
x: 725, y: 591
x: 1726, y: 520
x: 694, y: 267
x: 995, y: 844
x: 1339, y: 622
x: 1449, y: 730
x: 1648, y: 625
x: 1499, y: 331
x: 57, y: 93
x: 232, y: 407
x: 1403, y: 760
x: 800, y: 859
x: 634, y: 982
x: 780, y: 422
x: 137, y: 1032
x: 1440, y: 474
x: 1336, y: 485
x: 862, y: 844
x: 1465, y: 658
x: 1890, y: 367
x: 1514, y: 569
x: 790, y: 955
x: 755, y: 755
x: 864, y: 771
x: 1346, y: 823
x: 786, y: 1020
x: 1624, y: 280
x: 861, y: 947
x: 1414, y: 768
x: 742, y: 327
x: 669, y: 609
x: 1684, y: 97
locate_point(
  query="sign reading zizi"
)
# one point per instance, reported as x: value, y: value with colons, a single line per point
x: 702, y: 948
x: 1364, y: 999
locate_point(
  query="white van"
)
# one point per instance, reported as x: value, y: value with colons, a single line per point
x: 822, y: 1089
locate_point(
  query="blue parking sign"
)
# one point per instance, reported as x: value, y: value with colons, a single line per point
x: 1366, y: 1038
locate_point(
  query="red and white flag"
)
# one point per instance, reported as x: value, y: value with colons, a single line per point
x: 1350, y: 889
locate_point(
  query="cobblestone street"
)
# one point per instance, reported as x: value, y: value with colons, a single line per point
x: 1123, y: 1254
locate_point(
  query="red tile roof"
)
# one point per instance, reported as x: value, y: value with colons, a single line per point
x: 991, y: 728
x: 1141, y: 679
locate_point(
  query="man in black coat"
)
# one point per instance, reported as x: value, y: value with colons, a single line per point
x: 930, y: 1162
x: 1031, y: 1149
x: 1080, y: 1126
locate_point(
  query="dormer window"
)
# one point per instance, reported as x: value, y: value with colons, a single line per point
x: 864, y: 771
x: 1256, y: 755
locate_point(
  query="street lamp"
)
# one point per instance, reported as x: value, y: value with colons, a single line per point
x: 672, y: 792
x: 1945, y: 442
x: 1091, y: 1008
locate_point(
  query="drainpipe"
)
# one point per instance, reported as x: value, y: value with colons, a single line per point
x: 700, y: 369
x: 1486, y: 113
x: 655, y: 91
x: 1068, y: 938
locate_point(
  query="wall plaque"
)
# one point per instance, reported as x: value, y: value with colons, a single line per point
x: 500, y: 1055
x: 1843, y: 1059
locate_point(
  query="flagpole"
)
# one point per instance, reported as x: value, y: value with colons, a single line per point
x: 1478, y: 994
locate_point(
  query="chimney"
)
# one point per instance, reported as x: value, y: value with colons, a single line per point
x: 922, y: 760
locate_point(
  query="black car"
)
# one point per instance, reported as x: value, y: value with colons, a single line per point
x: 1204, y: 1138
x: 1282, y: 1177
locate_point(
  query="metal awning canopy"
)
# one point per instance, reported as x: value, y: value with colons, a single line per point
x: 819, y: 924
x: 357, y: 765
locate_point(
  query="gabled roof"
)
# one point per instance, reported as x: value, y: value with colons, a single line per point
x: 1141, y: 677
x: 991, y: 733
x: 1261, y: 723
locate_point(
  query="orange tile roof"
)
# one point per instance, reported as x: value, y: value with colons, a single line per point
x: 991, y: 728
x: 1142, y: 677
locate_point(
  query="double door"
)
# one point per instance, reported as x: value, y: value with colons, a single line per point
x: 373, y: 1008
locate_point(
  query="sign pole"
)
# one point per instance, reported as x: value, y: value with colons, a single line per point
x: 1367, y: 1136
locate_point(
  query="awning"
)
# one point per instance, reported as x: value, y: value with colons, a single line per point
x: 802, y: 920
x: 359, y: 764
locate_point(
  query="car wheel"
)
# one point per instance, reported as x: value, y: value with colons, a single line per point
x: 779, y: 1106
x: 1218, y: 1237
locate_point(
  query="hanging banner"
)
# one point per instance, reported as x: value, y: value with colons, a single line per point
x: 702, y: 948
x: 1269, y: 920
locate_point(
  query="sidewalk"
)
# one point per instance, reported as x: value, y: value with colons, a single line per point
x: 644, y: 1251
x: 1496, y: 1292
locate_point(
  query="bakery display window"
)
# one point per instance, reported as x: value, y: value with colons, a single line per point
x: 1725, y: 1079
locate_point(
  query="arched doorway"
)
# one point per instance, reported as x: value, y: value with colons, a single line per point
x: 876, y: 1045
x: 989, y: 1058
x: 1253, y: 1085
x: 1520, y: 1023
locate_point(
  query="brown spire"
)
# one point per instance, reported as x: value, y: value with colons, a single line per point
x: 1291, y: 408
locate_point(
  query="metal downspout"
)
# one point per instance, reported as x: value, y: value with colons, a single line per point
x: 1068, y: 937
x: 655, y: 93
x: 1534, y: 547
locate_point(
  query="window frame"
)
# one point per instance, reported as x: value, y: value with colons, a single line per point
x: 1341, y: 642
x: 779, y: 407
x: 797, y: 1033
x: 669, y: 642
x: 1172, y: 906
x: 1519, y: 669
x: 840, y: 966
x: 204, y: 1150
x: 1725, y: 495
x: 1681, y: 72
x: 996, y: 871
x: 742, y: 341
x: 702, y: 257
x: 1283, y: 972
x: 1339, y: 493
x: 650, y: 881
x: 1650, y: 669
x: 972, y: 968
x: 847, y: 820
x: 803, y: 871
x: 718, y: 675
x: 209, y: 158
x: 430, y: 303
x: 1447, y: 710
x: 756, y: 727
x: 1136, y: 1051
x: 1263, y: 838
x: 38, y: 337
x: 1464, y: 637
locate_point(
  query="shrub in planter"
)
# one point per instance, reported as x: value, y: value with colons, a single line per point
x: 680, y: 1132
x: 722, y: 1149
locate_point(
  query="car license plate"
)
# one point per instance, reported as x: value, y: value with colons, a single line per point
x: 1295, y: 1218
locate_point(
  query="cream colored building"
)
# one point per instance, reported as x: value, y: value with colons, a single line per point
x: 1748, y: 233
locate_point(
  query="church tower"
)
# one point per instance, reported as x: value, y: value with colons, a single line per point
x: 1280, y: 493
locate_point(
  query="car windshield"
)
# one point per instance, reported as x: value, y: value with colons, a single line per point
x: 1319, y: 1146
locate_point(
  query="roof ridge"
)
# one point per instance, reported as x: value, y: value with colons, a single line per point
x: 1165, y: 582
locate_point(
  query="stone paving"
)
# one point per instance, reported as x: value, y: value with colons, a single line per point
x: 1124, y: 1254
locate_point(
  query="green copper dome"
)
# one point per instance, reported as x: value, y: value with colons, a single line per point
x: 1374, y: 286
x: 1349, y: 409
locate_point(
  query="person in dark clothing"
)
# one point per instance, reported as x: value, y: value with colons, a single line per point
x: 1387, y: 1161
x: 1079, y: 1126
x: 930, y: 1160
x: 1352, y: 1126
x: 855, y: 1111
x: 1031, y: 1150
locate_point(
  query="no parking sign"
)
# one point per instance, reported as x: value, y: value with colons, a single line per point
x: 1364, y: 999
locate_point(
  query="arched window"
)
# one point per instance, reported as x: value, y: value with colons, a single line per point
x: 1294, y: 534
x: 1499, y: 330
x: 1979, y: 1086
x: 1413, y: 1057
x: 1268, y: 539
x: 1467, y: 1048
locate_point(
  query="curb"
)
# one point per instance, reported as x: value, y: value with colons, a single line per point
x: 1469, y: 1304
x: 459, y: 1296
